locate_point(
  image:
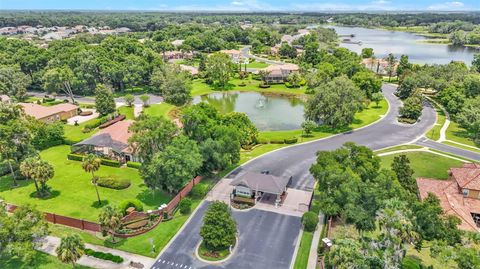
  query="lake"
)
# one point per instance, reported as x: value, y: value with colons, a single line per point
x: 384, y: 42
x: 267, y: 112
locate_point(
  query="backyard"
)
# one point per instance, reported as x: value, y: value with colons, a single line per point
x: 73, y: 194
x: 41, y: 261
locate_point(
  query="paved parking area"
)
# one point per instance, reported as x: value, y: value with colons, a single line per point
x: 253, y: 250
x: 81, y: 119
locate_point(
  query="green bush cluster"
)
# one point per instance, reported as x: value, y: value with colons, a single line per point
x: 198, y: 191
x: 114, y: 183
x: 112, y: 163
x: 103, y: 255
x: 75, y: 157
x: 130, y: 203
x: 185, y: 206
x: 94, y: 124
x: 135, y: 165
x: 309, y: 221
x: 291, y: 140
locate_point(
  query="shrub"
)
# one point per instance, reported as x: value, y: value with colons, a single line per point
x: 185, y: 206
x: 198, y: 191
x: 114, y: 183
x: 103, y: 255
x: 291, y: 140
x: 309, y: 221
x: 112, y: 163
x: 130, y: 203
x: 75, y: 157
x: 110, y: 122
x: 277, y: 141
x: 134, y: 165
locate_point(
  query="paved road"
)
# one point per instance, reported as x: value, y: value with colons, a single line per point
x: 246, y: 54
x: 267, y: 240
x: 295, y: 161
x: 90, y: 100
x: 425, y: 142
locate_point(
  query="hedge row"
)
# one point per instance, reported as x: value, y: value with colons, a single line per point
x: 114, y: 183
x: 291, y: 140
x: 103, y: 255
x: 135, y: 165
x: 106, y: 162
x: 110, y: 122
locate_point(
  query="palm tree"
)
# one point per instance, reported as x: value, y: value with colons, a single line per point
x: 43, y: 172
x: 71, y: 248
x: 27, y: 168
x: 91, y: 164
x: 110, y: 221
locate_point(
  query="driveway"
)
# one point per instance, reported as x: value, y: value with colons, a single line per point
x: 266, y: 240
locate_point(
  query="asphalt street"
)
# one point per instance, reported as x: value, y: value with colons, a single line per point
x: 425, y: 142
x: 266, y: 240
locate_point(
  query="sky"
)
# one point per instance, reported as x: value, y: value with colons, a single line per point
x: 244, y: 5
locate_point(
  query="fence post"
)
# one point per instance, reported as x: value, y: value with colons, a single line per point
x: 83, y: 225
x: 54, y: 219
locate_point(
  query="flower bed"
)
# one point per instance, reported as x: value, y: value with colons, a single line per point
x: 110, y: 122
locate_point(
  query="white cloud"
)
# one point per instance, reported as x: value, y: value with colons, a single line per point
x: 455, y: 5
x: 373, y: 5
x: 235, y: 5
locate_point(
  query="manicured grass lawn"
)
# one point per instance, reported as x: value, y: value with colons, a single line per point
x: 159, y: 110
x: 458, y: 134
x: 252, y: 85
x: 206, y: 254
x: 425, y: 164
x: 73, y: 194
x: 402, y: 147
x: 256, y: 65
x: 301, y: 260
x: 461, y: 146
x: 363, y: 118
x: 41, y: 261
x: 73, y: 134
x: 434, y: 133
x: 139, y: 244
x: 246, y: 155
x: 127, y: 111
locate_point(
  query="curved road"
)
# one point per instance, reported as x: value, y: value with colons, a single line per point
x: 267, y: 239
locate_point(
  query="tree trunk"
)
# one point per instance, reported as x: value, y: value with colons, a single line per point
x: 13, y: 174
x: 36, y: 187
x: 98, y: 195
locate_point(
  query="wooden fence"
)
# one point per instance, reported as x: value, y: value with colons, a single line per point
x: 95, y: 227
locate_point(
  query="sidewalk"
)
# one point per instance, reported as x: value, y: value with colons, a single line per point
x: 50, y: 243
x: 312, y: 257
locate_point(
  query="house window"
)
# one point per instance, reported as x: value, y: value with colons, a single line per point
x: 465, y: 192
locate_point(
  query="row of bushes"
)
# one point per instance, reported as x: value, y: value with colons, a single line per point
x: 291, y: 140
x: 112, y: 121
x: 103, y: 255
x: 94, y: 123
x: 106, y: 162
x: 135, y: 165
x: 114, y: 183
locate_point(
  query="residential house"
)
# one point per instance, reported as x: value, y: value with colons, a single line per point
x: 235, y: 55
x: 50, y: 113
x: 279, y: 73
x: 177, y: 43
x: 379, y: 66
x: 459, y: 195
x: 190, y: 69
x: 255, y: 185
x: 176, y: 55
x: 110, y: 142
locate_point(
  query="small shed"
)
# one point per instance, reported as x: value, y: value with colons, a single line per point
x: 254, y: 185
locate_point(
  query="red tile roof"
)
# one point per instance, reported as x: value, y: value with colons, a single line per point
x: 468, y: 176
x: 118, y: 131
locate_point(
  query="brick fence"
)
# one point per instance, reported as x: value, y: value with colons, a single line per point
x: 95, y: 227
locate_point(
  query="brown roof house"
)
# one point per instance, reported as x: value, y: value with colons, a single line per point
x: 235, y: 55
x: 379, y: 66
x: 255, y: 185
x: 111, y: 143
x: 459, y: 195
x: 279, y: 73
x: 50, y: 113
x: 5, y: 99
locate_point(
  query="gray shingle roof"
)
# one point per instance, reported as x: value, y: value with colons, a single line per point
x: 261, y: 182
x: 103, y: 140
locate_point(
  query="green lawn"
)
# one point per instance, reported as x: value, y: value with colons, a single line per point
x: 434, y: 133
x: 252, y: 85
x: 256, y: 65
x: 159, y: 110
x: 301, y: 261
x: 425, y: 164
x: 363, y: 118
x: 41, y: 261
x: 127, y: 111
x: 72, y: 192
x: 460, y: 135
x: 74, y: 134
x: 402, y: 147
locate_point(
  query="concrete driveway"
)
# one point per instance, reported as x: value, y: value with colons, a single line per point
x: 266, y: 240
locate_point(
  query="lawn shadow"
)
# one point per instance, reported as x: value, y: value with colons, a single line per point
x: 6, y: 183
x: 51, y: 195
x: 153, y: 198
x: 102, y: 203
x: 118, y: 242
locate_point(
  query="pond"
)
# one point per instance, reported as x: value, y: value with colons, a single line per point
x: 384, y: 42
x: 267, y: 112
